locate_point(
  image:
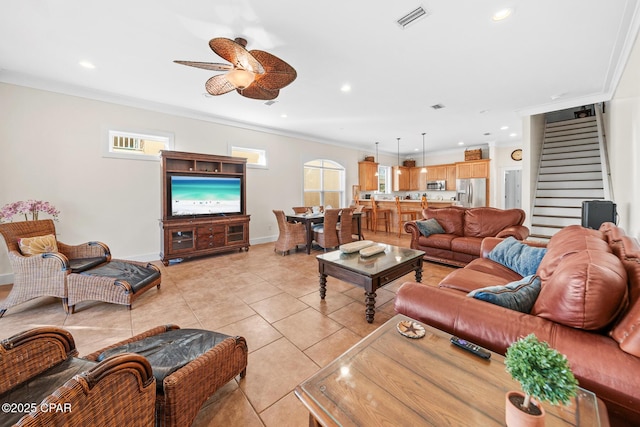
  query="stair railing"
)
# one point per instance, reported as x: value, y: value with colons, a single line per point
x: 604, y: 156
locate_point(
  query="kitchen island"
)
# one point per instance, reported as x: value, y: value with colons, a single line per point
x: 409, y: 205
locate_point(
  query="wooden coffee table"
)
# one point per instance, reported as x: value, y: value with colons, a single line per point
x: 371, y: 272
x: 388, y: 379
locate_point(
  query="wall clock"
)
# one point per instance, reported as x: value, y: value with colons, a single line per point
x: 516, y: 154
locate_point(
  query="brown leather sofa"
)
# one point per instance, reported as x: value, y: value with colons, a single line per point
x: 588, y: 309
x: 464, y: 229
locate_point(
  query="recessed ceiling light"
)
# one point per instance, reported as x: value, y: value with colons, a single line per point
x: 502, y: 14
x: 504, y: 128
x: 284, y: 116
x: 460, y: 142
x: 513, y: 134
x: 87, y: 64
x: 346, y: 87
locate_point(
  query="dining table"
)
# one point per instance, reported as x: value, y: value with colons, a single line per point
x: 309, y: 219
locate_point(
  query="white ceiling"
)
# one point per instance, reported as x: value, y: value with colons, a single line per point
x: 487, y: 74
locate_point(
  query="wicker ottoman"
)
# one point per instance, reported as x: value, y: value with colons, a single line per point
x: 117, y: 281
x: 189, y: 366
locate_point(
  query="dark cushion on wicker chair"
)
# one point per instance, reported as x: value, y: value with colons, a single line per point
x: 137, y: 276
x: 169, y: 351
x: 34, y: 391
x: 82, y: 264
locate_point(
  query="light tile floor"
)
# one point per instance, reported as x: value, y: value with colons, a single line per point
x: 269, y: 299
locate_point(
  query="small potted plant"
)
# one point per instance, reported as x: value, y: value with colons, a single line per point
x: 543, y: 373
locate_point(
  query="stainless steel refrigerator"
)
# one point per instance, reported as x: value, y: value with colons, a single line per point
x: 471, y: 192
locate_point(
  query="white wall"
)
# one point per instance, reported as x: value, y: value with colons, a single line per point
x: 623, y: 138
x: 50, y: 147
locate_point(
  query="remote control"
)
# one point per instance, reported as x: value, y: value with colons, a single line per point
x: 478, y: 351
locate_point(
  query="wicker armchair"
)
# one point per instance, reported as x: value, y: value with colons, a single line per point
x: 45, y: 274
x: 291, y: 235
x: 326, y: 234
x: 38, y: 367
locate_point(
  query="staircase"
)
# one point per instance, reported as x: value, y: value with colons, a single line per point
x: 571, y: 171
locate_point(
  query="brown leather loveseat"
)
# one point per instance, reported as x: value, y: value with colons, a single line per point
x: 588, y: 308
x: 463, y: 230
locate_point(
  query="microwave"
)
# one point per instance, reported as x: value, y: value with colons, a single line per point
x: 440, y: 185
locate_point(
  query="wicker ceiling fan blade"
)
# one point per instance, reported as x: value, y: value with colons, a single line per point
x: 278, y: 73
x: 255, y: 91
x: 236, y: 54
x: 206, y: 65
x: 219, y: 85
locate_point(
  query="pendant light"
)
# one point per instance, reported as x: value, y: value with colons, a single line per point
x: 424, y: 166
x: 376, y: 158
x: 399, y: 172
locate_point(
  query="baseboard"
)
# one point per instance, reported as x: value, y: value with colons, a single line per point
x: 267, y: 239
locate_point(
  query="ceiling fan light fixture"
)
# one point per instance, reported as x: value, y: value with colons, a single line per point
x: 240, y: 78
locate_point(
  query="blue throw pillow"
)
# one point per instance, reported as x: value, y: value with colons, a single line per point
x: 519, y: 257
x: 429, y: 227
x: 519, y: 295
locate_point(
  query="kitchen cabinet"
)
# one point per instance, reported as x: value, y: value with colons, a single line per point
x: 367, y: 177
x: 473, y: 169
x: 402, y: 180
x: 436, y: 172
x: 418, y: 180
x: 451, y: 177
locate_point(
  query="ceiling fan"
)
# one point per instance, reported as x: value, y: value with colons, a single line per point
x: 255, y: 74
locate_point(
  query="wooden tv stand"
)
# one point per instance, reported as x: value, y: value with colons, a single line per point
x: 192, y: 236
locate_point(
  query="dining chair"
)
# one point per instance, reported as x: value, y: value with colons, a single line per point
x: 326, y: 234
x: 411, y: 214
x: 345, y: 226
x: 423, y: 203
x: 357, y: 209
x: 291, y: 234
x: 378, y: 214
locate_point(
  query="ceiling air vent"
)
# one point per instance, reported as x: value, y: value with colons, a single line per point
x: 270, y: 102
x: 412, y: 17
x: 437, y: 106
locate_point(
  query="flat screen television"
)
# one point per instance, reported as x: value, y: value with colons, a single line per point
x: 205, y: 195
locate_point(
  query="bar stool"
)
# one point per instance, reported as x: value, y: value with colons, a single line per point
x: 423, y: 203
x: 413, y: 215
x: 380, y: 214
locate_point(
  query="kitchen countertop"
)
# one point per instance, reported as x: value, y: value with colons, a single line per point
x: 411, y: 200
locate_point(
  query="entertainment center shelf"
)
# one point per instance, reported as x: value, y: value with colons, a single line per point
x: 203, y: 205
x: 204, y: 167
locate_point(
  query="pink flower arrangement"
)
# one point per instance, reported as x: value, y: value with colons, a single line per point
x: 30, y: 207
